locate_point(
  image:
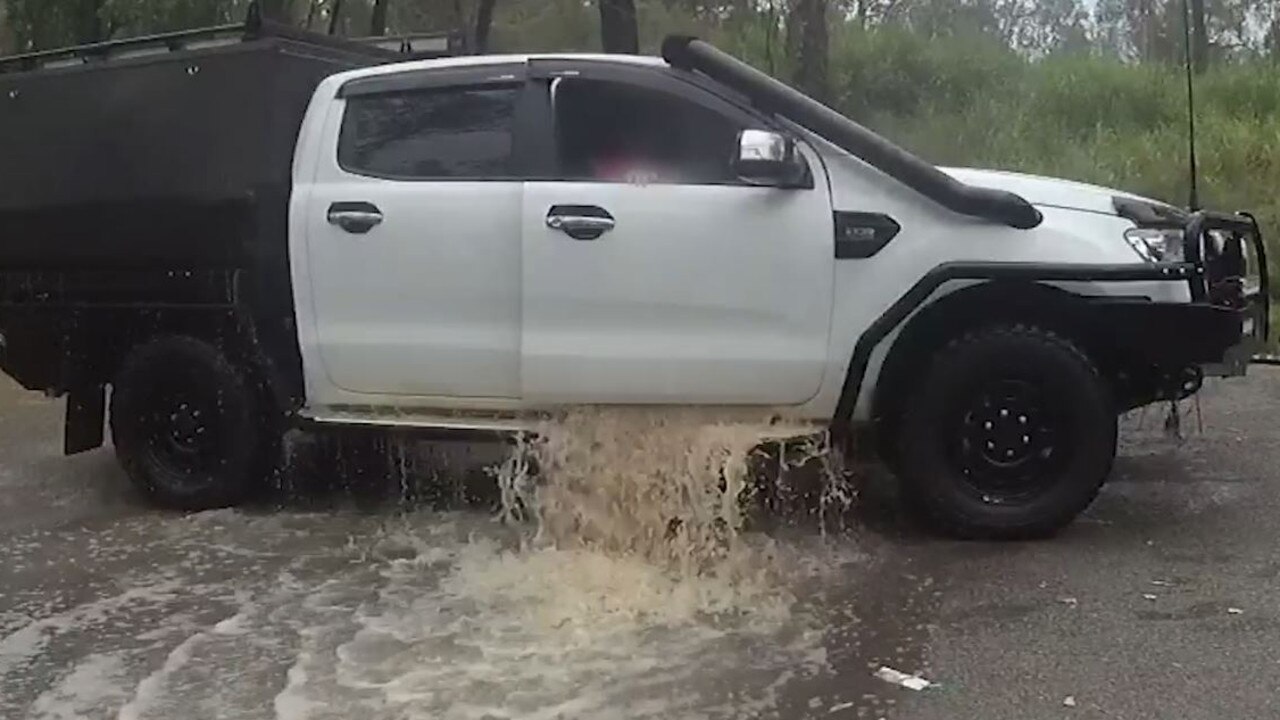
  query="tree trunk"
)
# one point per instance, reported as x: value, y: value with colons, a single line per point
x: 484, y: 21
x: 770, y: 32
x: 273, y: 10
x: 810, y: 20
x: 1199, y: 37
x: 618, y: 31
x: 378, y: 21
x: 1272, y: 42
x: 88, y: 23
x: 335, y: 16
x: 312, y: 9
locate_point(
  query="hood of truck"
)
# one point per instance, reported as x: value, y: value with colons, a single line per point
x: 1051, y: 192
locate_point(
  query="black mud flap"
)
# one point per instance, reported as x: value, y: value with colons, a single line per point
x: 86, y: 414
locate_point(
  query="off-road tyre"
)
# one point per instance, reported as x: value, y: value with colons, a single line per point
x: 1009, y: 434
x: 190, y: 428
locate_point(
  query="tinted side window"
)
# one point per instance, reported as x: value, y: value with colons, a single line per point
x: 606, y: 130
x: 461, y: 132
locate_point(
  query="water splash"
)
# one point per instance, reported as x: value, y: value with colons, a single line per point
x: 672, y: 492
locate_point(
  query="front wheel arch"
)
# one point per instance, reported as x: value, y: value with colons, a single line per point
x: 951, y: 316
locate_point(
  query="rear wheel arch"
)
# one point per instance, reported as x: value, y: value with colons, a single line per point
x: 107, y: 339
x: 218, y: 328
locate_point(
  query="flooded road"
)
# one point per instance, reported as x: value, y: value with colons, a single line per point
x: 337, y: 604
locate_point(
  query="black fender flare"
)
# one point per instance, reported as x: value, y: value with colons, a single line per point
x: 920, y: 292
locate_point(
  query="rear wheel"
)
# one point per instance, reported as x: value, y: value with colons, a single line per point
x: 190, y: 430
x: 1010, y: 434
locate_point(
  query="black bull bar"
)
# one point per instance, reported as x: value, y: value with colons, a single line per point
x: 1219, y: 246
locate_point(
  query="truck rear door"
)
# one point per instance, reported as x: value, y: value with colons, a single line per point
x: 687, y: 287
x: 412, y: 236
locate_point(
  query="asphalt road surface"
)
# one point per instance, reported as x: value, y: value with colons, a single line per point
x: 1160, y: 603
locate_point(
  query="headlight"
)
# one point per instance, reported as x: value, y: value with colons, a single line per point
x: 1156, y: 244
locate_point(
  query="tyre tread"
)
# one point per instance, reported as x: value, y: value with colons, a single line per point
x: 935, y: 510
x: 232, y: 490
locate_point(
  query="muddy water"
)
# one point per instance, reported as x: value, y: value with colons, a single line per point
x: 395, y: 611
x: 420, y: 619
x: 628, y: 586
x: 669, y: 487
x: 637, y: 570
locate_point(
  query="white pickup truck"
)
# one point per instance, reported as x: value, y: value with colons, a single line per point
x: 252, y: 230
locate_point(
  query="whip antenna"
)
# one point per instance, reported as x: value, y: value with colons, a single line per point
x: 1193, y: 200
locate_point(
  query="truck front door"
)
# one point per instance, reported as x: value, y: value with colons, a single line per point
x: 413, y: 237
x: 652, y: 274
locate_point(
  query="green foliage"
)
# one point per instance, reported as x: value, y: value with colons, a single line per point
x: 894, y: 73
x: 132, y: 17
x: 546, y: 25
x: 1081, y: 117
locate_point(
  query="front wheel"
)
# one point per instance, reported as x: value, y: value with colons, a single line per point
x: 189, y: 429
x: 1010, y: 434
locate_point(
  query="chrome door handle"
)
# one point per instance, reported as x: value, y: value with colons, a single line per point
x: 356, y: 218
x: 583, y: 224
x: 580, y: 222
